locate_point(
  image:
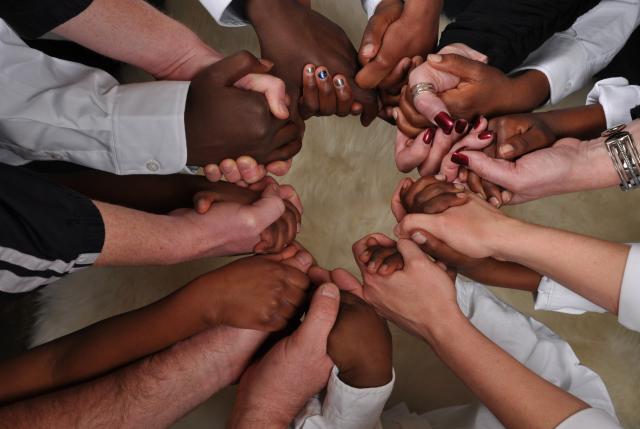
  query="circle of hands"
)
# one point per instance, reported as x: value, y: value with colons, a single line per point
x: 471, y: 161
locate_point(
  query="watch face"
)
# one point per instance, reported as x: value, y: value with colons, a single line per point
x: 613, y: 130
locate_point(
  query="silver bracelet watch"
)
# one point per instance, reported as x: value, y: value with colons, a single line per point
x: 624, y: 155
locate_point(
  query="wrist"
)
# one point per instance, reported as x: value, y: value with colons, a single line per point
x: 593, y: 168
x: 260, y: 12
x: 363, y: 376
x: 503, y: 242
x: 443, y: 329
x: 527, y: 91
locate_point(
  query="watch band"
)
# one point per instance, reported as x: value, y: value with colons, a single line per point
x: 624, y: 155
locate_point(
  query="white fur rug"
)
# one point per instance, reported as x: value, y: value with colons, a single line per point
x: 345, y: 175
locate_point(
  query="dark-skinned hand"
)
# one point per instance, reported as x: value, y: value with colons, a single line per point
x: 520, y: 134
x: 224, y: 122
x: 292, y: 35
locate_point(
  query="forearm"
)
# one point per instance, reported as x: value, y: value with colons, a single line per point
x: 503, y: 274
x: 584, y: 122
x: 589, y: 267
x: 135, y: 32
x: 516, y: 396
x: 528, y: 91
x: 102, y: 347
x: 153, y: 393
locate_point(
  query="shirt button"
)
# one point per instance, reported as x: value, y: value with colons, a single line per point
x: 57, y: 157
x: 153, y: 166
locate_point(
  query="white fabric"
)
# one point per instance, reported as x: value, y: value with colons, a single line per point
x: 617, y: 98
x: 553, y: 296
x: 345, y: 407
x: 226, y: 12
x: 591, y: 418
x: 570, y: 58
x: 59, y: 110
x: 527, y: 340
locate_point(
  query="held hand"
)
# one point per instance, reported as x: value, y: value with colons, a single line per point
x: 324, y: 95
x: 317, y: 41
x: 217, y: 114
x: 520, y: 134
x: 396, y: 30
x: 253, y: 293
x: 273, y: 390
x: 428, y: 195
x: 245, y: 170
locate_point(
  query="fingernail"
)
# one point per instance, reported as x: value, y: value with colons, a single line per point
x: 303, y: 258
x: 371, y: 265
x: 494, y: 201
x: 506, y: 196
x: 368, y: 49
x: 322, y: 74
x: 406, y: 67
x: 444, y: 121
x: 434, y: 58
x: 329, y: 291
x: 439, y: 177
x: 419, y: 237
x: 479, y: 194
x: 460, y: 159
x: 459, y: 186
x: 461, y: 125
x: 298, y: 228
x: 485, y: 135
x: 476, y: 122
x: 506, y: 150
x: 310, y: 70
x: 395, y: 113
x: 428, y: 135
x: 462, y: 195
x: 339, y: 82
x: 283, y: 107
x: 383, y: 267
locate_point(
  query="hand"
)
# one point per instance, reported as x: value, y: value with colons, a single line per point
x: 520, y: 134
x: 292, y: 35
x: 485, y: 90
x: 217, y: 114
x: 381, y: 255
x: 429, y: 195
x: 323, y: 95
x: 273, y: 390
x: 396, y: 30
x: 245, y: 170
x: 419, y: 299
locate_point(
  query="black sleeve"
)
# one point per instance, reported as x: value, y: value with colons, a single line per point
x: 507, y: 31
x: 46, y: 230
x: 33, y: 18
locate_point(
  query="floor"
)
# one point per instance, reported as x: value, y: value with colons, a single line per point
x: 345, y: 176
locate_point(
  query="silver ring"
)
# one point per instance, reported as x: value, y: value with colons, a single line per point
x: 421, y: 87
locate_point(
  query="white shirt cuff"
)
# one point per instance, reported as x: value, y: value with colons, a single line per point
x: 370, y: 6
x: 224, y: 13
x: 148, y: 128
x: 617, y: 98
x: 552, y: 296
x: 590, y: 418
x: 629, y: 304
x: 554, y: 58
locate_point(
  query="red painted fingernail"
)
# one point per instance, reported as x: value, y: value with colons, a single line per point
x: 461, y: 125
x: 429, y: 133
x: 485, y: 135
x: 475, y: 123
x: 460, y: 159
x: 444, y: 121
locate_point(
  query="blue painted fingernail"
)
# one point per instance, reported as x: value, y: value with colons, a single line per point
x: 322, y: 74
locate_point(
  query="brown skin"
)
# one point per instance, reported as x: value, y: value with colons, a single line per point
x: 254, y: 293
x: 428, y: 195
x: 360, y: 344
x: 397, y: 30
x: 324, y: 97
x: 317, y: 41
x: 217, y: 116
x: 164, y: 194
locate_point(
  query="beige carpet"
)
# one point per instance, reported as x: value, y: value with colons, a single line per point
x: 345, y: 175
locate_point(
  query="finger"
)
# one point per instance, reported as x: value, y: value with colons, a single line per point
x: 493, y: 193
x: 397, y: 206
x: 521, y: 144
x: 410, y: 112
x: 230, y: 170
x: 369, y: 101
x: 370, y: 44
x: 326, y: 93
x: 423, y: 201
x: 453, y: 161
x: 405, y: 126
x: 410, y: 153
x: 319, y: 275
x: 409, y: 197
x: 438, y: 250
x: 397, y: 78
x: 280, y: 168
x: 433, y: 108
x: 457, y: 65
x: 442, y: 203
x: 391, y: 264
x: 410, y: 252
x: 347, y: 282
x: 264, y: 212
x: 273, y: 89
x: 301, y: 260
x: 249, y: 169
x: 310, y: 102
x: 296, y: 278
x: 378, y: 255
x: 475, y: 185
x: 440, y: 147
x: 291, y: 218
x: 320, y: 318
x: 212, y: 173
x: 202, y: 201
x: 498, y: 171
x: 285, y: 152
x: 288, y: 193
x: 231, y: 69
x: 344, y: 96
x: 295, y: 296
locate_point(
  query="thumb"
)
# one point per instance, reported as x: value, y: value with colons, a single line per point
x: 430, y: 106
x: 498, y: 171
x: 372, y: 38
x: 321, y: 316
x: 231, y: 69
x: 457, y: 65
x: 521, y: 144
x: 410, y: 251
x: 265, y: 212
x: 347, y: 282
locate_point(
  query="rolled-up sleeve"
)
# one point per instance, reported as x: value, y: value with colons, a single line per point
x: 58, y: 110
x: 370, y: 6
x: 590, y: 418
x: 617, y: 99
x: 229, y: 13
x: 552, y: 296
x: 629, y: 304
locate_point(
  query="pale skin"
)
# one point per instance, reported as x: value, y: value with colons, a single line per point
x: 589, y: 267
x: 421, y: 299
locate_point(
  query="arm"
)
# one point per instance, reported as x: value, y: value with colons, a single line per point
x: 508, y: 31
x: 139, y: 34
x: 570, y: 58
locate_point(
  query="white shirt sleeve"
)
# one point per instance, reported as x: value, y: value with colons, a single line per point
x: 552, y: 296
x: 629, y: 304
x: 58, y: 110
x: 226, y: 12
x: 370, y: 6
x: 570, y: 58
x: 345, y: 407
x: 617, y: 98
x: 590, y: 418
